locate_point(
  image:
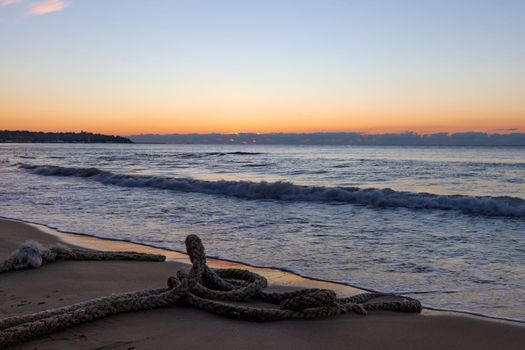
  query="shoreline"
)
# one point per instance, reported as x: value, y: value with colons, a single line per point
x: 275, y: 275
x: 66, y: 283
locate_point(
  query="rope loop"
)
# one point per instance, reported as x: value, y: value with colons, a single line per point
x: 212, y: 290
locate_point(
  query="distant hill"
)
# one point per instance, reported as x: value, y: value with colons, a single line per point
x: 51, y: 137
x: 341, y: 138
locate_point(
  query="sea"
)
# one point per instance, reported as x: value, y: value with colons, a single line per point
x: 443, y: 224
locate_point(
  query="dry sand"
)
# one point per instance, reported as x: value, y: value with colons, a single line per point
x: 65, y: 283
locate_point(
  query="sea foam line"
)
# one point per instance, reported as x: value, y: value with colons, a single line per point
x: 282, y: 190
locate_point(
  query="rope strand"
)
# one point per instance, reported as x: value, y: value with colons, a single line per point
x: 32, y: 255
x: 200, y: 287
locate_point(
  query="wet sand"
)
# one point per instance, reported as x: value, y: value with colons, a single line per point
x: 64, y: 283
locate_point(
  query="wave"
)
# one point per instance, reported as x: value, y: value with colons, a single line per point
x: 282, y: 190
x: 428, y: 163
x: 182, y: 155
x: 262, y: 165
x: 239, y: 153
x: 217, y: 154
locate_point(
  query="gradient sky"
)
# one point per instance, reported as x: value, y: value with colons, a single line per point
x: 125, y: 67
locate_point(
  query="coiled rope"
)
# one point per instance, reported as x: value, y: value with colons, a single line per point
x: 203, y: 288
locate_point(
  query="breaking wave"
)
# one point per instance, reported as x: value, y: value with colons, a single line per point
x: 281, y: 190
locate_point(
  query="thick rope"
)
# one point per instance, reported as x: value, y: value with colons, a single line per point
x: 202, y: 287
x: 32, y: 255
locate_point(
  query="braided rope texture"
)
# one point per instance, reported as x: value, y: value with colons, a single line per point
x: 32, y: 255
x: 204, y: 288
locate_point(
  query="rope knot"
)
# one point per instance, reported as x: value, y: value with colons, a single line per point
x: 312, y: 299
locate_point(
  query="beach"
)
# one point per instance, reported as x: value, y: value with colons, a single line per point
x: 273, y: 174
x: 65, y: 283
x: 424, y: 221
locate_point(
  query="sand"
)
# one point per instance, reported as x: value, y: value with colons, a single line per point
x: 65, y: 283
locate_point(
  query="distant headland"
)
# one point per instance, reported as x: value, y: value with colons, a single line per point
x: 59, y: 137
x: 341, y: 138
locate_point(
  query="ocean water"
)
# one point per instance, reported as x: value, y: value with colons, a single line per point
x: 443, y: 224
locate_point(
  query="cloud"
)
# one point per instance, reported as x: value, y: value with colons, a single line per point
x: 507, y: 129
x: 8, y: 2
x: 47, y: 6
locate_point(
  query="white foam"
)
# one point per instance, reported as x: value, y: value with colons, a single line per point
x: 281, y: 190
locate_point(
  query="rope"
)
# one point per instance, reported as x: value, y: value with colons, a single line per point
x: 32, y: 255
x: 206, y: 289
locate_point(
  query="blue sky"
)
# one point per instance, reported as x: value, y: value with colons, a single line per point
x: 431, y: 62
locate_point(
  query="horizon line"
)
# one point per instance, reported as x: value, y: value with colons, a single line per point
x: 498, y: 131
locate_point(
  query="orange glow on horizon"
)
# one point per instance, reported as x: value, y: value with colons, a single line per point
x: 128, y: 116
x: 121, y: 125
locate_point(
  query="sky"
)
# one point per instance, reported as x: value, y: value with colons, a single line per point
x: 197, y: 66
